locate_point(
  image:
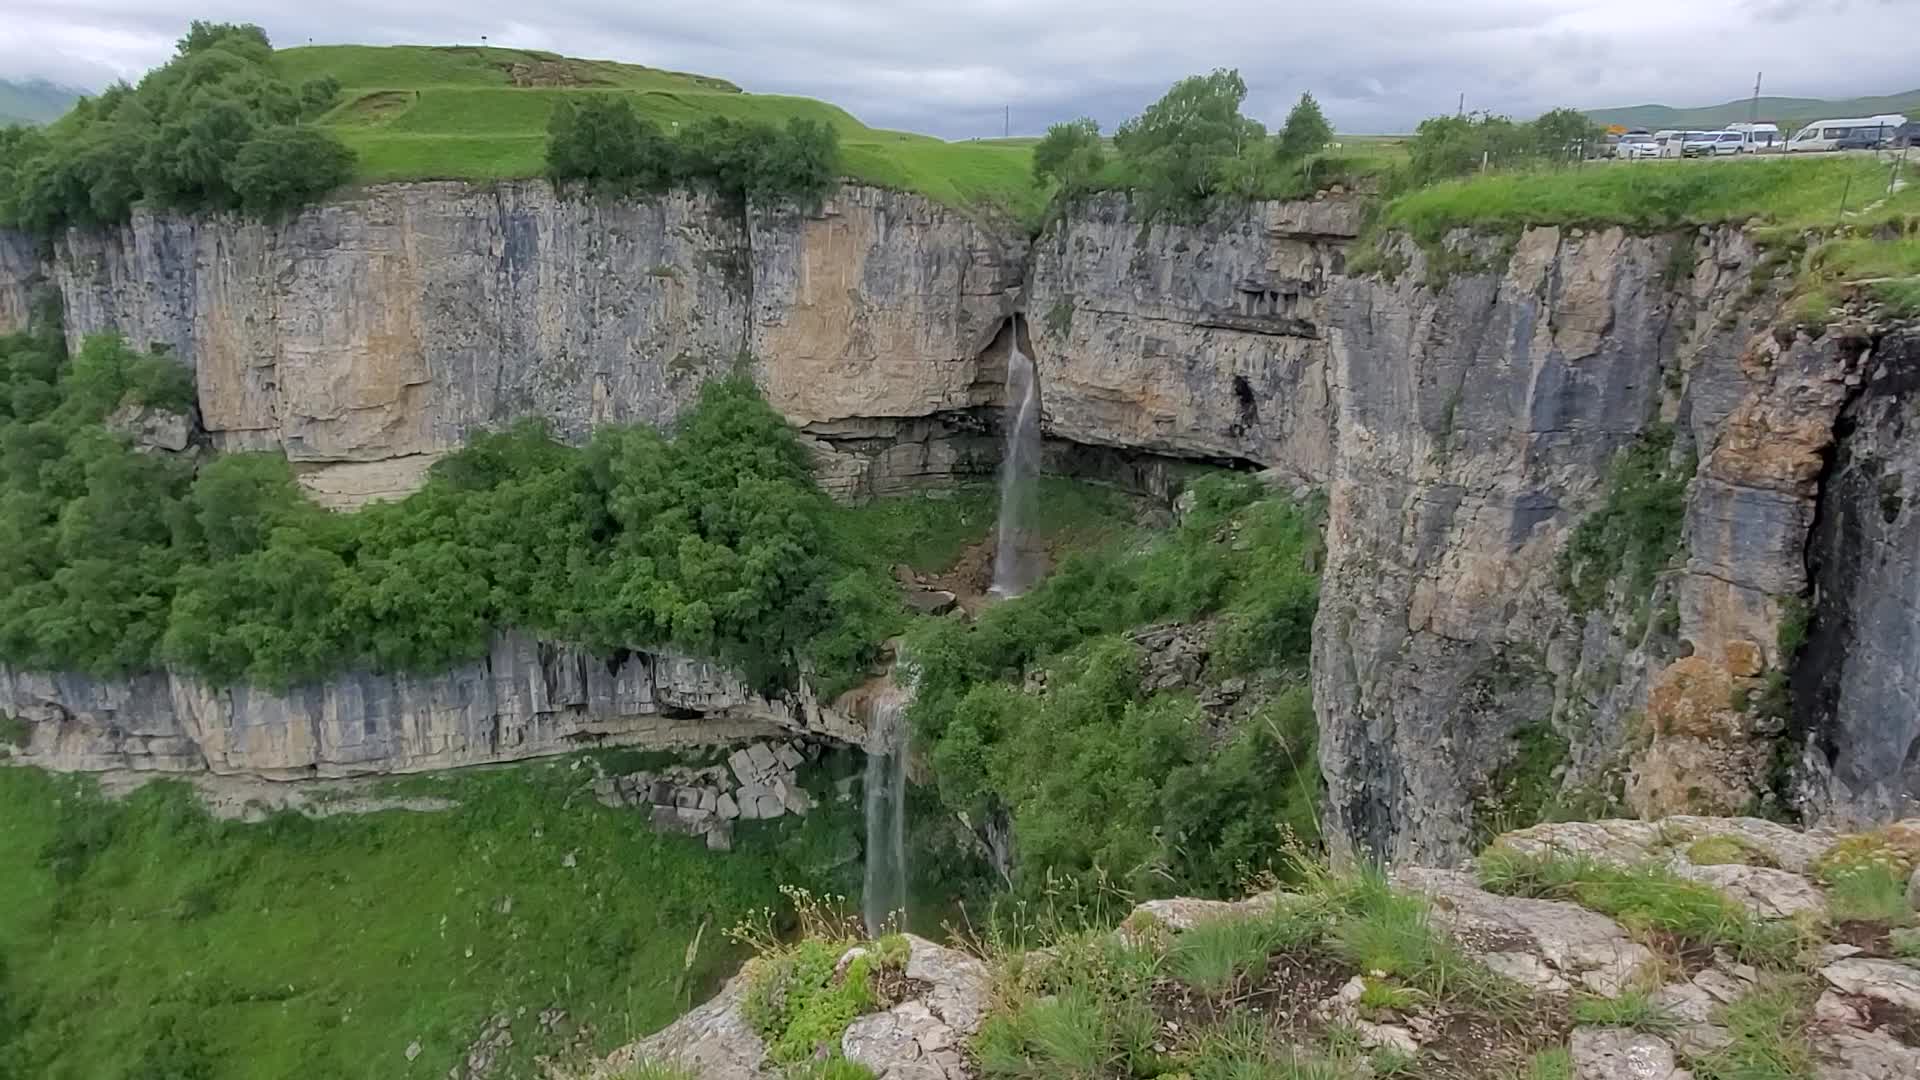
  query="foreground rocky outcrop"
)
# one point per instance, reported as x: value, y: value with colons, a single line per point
x: 527, y: 698
x: 1849, y: 1011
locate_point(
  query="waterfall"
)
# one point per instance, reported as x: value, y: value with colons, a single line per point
x: 1019, y: 468
x: 884, y: 898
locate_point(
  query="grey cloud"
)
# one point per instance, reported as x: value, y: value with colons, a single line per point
x: 950, y: 67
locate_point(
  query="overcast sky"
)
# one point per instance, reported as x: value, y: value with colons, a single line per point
x: 949, y: 66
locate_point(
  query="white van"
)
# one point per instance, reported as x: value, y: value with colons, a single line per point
x: 1667, y: 143
x: 1828, y: 134
x: 1758, y: 138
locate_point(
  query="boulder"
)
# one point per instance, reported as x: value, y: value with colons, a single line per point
x: 1883, y: 980
x: 1545, y: 945
x: 714, y: 1042
x: 1846, y: 1053
x: 1764, y: 891
x: 1618, y: 1054
x: 931, y: 601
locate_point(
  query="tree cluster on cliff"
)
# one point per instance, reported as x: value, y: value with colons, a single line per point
x: 1191, y: 146
x: 716, y: 540
x: 215, y: 128
x: 1444, y: 147
x: 599, y: 139
x: 1102, y: 773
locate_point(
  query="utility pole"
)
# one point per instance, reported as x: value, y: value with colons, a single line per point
x: 1006, y: 121
x: 1462, y: 110
x: 1753, y: 114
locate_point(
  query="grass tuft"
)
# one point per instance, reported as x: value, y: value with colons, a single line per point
x: 1872, y: 893
x: 1644, y: 898
x: 1634, y: 1008
x: 1769, y: 1028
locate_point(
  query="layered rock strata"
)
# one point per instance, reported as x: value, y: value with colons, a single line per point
x: 527, y: 698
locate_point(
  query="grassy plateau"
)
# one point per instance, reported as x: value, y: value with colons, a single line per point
x: 413, y: 112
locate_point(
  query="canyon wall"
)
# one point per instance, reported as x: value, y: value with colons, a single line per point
x: 527, y: 698
x: 369, y: 335
x: 1461, y: 405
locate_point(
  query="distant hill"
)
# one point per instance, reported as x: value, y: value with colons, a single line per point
x: 416, y: 112
x: 1788, y: 112
x: 35, y: 101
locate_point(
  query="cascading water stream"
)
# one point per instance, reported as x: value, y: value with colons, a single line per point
x: 1019, y: 469
x: 884, y: 898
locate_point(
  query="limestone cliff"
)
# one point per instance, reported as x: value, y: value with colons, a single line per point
x: 1857, y: 687
x: 527, y: 698
x: 366, y: 336
x: 1203, y: 340
x: 1461, y: 415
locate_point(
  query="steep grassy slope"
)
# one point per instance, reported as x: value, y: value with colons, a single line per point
x: 1788, y: 112
x: 422, y: 112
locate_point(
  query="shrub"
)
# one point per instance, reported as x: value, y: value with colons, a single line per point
x: 284, y: 168
x: 1637, y: 528
x: 601, y: 140
x: 799, y: 1004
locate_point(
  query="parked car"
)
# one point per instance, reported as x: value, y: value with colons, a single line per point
x: 1758, y: 138
x: 1906, y: 135
x: 1829, y: 134
x: 1710, y: 144
x: 1864, y: 138
x: 1635, y: 145
x: 1667, y: 143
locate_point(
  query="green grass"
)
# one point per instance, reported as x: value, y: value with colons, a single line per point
x: 1654, y: 195
x: 460, y: 117
x: 1870, y: 894
x: 801, y: 1005
x: 1643, y: 898
x: 1219, y: 955
x: 1554, y: 1063
x: 1769, y: 1028
x: 1726, y: 850
x: 1634, y: 1008
x: 301, y: 948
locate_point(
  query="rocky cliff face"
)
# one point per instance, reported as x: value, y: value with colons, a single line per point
x: 526, y: 699
x: 1461, y: 415
x: 1203, y: 341
x: 367, y: 336
x: 1857, y: 687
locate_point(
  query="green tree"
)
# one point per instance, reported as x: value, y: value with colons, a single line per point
x: 245, y: 38
x: 1563, y: 135
x: 1305, y: 132
x: 287, y: 167
x: 601, y: 140
x: 177, y: 139
x: 318, y: 95
x: 1178, y: 147
x: 1071, y: 156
